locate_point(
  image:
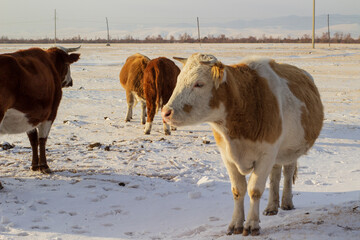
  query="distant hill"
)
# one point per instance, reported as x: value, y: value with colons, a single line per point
x: 292, y: 22
x: 294, y: 26
x: 287, y: 26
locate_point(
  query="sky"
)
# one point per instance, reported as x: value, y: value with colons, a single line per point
x: 35, y: 18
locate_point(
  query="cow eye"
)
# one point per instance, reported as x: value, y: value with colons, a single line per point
x: 198, y: 85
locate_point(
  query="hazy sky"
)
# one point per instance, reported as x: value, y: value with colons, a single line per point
x: 28, y: 17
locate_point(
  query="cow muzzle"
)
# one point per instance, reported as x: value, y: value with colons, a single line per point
x: 66, y: 84
x: 167, y: 114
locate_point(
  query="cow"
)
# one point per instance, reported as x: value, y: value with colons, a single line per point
x: 159, y: 82
x: 131, y: 79
x: 31, y: 83
x: 264, y: 115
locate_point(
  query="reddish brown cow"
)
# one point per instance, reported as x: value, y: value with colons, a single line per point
x: 31, y: 84
x: 159, y: 82
x: 131, y: 79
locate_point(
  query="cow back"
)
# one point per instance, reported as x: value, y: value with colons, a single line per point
x: 131, y: 74
x: 160, y: 78
x: 30, y: 79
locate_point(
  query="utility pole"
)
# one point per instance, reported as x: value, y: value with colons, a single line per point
x: 313, y: 26
x: 198, y: 30
x: 108, y: 35
x: 328, y: 20
x: 55, y: 28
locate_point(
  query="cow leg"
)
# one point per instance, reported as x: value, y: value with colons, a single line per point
x: 44, y: 129
x: 238, y: 188
x: 256, y: 187
x: 151, y: 108
x: 130, y: 104
x: 143, y: 112
x: 273, y: 203
x: 34, y: 142
x: 166, y: 128
x: 43, y: 167
x: 286, y: 200
x: 1, y: 118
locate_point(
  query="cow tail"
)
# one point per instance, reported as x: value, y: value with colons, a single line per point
x: 158, y: 78
x: 295, y: 174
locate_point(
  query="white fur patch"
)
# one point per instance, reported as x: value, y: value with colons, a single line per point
x: 15, y: 122
x: 148, y: 126
x: 44, y: 129
x: 68, y: 78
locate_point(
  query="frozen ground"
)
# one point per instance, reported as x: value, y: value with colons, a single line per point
x: 111, y: 181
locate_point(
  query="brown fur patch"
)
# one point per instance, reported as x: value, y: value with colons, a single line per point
x: 187, y: 108
x: 305, y: 90
x: 255, y: 194
x: 131, y: 75
x: 159, y: 80
x: 235, y: 193
x: 31, y: 82
x: 252, y: 108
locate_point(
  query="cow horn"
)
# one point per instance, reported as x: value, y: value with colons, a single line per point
x: 69, y: 50
x: 182, y: 60
x: 208, y: 59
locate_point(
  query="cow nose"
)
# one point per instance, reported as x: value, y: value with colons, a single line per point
x: 166, y: 114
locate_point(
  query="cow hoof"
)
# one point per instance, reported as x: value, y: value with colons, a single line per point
x: 234, y: 230
x: 147, y: 132
x: 167, y: 133
x: 287, y: 207
x: 35, y: 168
x: 245, y: 232
x: 268, y: 212
x: 253, y: 232
x: 45, y: 170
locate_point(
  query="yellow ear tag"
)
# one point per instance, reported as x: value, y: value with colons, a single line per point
x: 217, y: 71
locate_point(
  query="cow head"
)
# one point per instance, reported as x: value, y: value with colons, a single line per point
x: 190, y: 102
x: 67, y: 81
x: 62, y: 62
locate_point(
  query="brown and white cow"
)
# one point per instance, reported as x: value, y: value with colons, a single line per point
x: 159, y: 82
x: 131, y: 79
x: 31, y: 84
x: 264, y: 116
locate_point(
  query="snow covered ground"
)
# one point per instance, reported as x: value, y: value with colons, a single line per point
x: 111, y: 181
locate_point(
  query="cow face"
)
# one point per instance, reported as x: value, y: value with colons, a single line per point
x: 67, y: 80
x: 190, y: 102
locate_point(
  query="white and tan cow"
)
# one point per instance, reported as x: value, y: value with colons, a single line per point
x: 264, y: 116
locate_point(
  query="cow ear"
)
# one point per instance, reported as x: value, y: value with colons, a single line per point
x: 182, y: 60
x: 73, y: 57
x: 218, y: 73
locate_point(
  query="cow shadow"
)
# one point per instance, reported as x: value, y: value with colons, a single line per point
x: 338, y: 130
